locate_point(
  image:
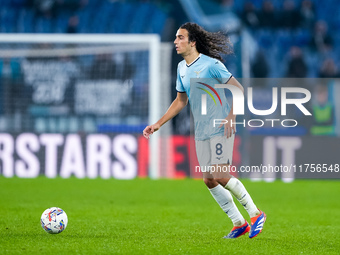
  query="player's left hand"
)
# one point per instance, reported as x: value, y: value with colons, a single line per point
x: 229, y: 129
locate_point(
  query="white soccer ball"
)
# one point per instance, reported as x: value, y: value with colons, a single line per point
x: 53, y: 220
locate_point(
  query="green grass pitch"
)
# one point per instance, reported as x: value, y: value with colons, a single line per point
x: 145, y: 216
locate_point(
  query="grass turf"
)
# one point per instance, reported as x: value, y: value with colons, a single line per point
x: 165, y: 217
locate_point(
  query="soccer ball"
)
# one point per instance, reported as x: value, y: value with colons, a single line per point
x: 53, y: 220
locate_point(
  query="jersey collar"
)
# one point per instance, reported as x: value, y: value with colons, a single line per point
x: 194, y: 60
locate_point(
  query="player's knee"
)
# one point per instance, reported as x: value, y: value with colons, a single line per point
x: 210, y: 182
x: 222, y: 181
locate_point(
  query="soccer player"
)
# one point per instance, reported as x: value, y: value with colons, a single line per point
x: 201, y: 51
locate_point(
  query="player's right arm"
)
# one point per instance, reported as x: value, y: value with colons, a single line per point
x: 177, y: 105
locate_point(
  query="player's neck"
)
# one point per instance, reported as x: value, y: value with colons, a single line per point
x: 191, y: 57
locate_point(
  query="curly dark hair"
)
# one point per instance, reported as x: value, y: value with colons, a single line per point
x: 208, y: 43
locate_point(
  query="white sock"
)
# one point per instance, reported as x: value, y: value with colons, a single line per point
x: 225, y: 200
x: 239, y: 191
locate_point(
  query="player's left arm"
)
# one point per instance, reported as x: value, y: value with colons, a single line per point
x: 219, y: 71
x: 229, y: 129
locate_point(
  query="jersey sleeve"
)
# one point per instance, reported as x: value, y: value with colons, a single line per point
x: 179, y: 84
x: 219, y: 71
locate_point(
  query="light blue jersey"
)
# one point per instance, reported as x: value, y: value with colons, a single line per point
x: 200, y: 78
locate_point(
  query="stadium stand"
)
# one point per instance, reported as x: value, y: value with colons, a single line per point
x: 285, y: 33
x: 27, y: 16
x: 94, y: 17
